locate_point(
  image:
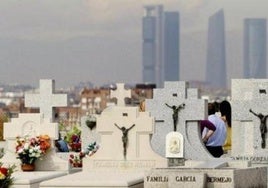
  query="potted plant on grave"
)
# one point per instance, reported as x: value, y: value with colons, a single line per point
x: 29, y: 149
x: 6, y: 178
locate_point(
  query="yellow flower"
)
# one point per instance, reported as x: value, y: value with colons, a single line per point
x: 2, y: 176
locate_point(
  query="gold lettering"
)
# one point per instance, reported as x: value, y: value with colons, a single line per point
x: 185, y: 178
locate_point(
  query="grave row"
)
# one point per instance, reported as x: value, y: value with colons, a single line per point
x: 155, y: 148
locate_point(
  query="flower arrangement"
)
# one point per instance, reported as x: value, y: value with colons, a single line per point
x: 76, y: 159
x: 73, y: 139
x: 6, y: 178
x: 75, y: 143
x: 92, y: 148
x: 30, y: 149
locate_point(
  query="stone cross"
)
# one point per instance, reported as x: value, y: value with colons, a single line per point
x: 195, y: 109
x: 46, y: 100
x: 120, y: 93
x: 248, y: 94
x: 139, y: 155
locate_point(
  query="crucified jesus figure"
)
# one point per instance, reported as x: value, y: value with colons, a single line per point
x: 124, y: 137
x: 263, y: 128
x: 175, y: 114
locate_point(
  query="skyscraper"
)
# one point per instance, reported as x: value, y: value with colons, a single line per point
x: 149, y: 45
x: 171, y: 50
x: 255, y: 48
x: 216, y: 65
x: 160, y: 45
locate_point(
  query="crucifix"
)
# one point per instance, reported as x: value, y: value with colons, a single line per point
x: 175, y: 114
x: 124, y: 137
x: 263, y: 128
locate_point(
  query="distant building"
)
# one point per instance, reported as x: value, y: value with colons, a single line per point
x: 255, y: 41
x: 94, y: 101
x: 141, y: 92
x: 69, y: 116
x: 171, y: 48
x: 160, y: 45
x: 216, y: 58
x: 149, y: 46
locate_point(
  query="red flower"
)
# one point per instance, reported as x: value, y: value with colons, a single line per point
x: 3, y: 171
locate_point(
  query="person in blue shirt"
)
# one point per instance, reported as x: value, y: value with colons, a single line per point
x: 61, y: 145
x: 215, y: 143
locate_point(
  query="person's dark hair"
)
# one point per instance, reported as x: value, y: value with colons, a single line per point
x: 211, y: 108
x: 226, y: 110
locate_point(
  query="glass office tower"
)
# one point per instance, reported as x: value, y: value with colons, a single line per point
x: 160, y: 53
x: 255, y: 48
x: 216, y: 58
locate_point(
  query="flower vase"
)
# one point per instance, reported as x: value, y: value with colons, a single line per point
x: 27, y: 167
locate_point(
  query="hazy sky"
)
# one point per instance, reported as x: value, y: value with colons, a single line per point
x: 100, y: 40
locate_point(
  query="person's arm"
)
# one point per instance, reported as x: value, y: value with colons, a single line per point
x: 207, y: 136
x: 207, y: 124
x: 211, y: 128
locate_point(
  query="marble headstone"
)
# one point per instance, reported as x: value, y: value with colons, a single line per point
x: 34, y: 125
x: 195, y: 109
x: 138, y: 153
x: 249, y: 94
x: 124, y: 153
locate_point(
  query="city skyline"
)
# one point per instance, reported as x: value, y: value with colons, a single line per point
x: 100, y: 41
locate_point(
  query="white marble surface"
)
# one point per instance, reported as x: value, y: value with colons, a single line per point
x: 33, y: 179
x: 96, y: 179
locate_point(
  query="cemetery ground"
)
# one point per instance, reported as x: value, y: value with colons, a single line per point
x: 145, y: 149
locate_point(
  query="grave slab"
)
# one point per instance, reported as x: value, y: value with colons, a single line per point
x: 97, y: 179
x: 33, y: 179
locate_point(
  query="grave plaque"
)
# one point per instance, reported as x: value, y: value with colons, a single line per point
x: 206, y: 177
x: 174, y: 149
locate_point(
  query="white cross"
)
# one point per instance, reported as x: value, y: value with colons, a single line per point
x: 120, y: 93
x: 46, y: 100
